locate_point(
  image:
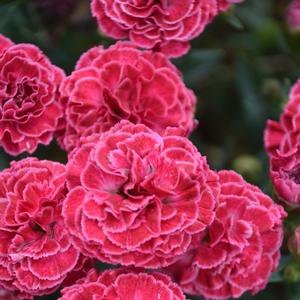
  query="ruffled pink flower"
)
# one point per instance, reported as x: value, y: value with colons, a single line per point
x: 242, y: 247
x: 166, y: 26
x: 36, y: 254
x: 281, y: 137
x: 123, y: 284
x: 29, y: 108
x: 282, y: 145
x: 137, y: 198
x: 293, y: 15
x: 285, y: 175
x: 119, y: 83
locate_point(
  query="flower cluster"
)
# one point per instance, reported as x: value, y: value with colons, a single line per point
x: 282, y: 143
x: 134, y: 191
x: 165, y: 26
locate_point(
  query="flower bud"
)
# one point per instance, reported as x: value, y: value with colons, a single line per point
x: 294, y: 244
x: 248, y: 166
x: 292, y: 272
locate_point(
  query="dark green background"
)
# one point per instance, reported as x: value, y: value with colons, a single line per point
x: 241, y: 69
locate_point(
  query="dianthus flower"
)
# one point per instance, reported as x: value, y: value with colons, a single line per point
x: 36, y: 254
x: 282, y: 145
x: 119, y: 83
x: 242, y: 247
x: 123, y: 284
x: 137, y: 198
x: 29, y: 107
x: 166, y: 26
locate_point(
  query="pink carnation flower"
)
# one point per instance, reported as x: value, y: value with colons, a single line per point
x: 137, y: 198
x: 285, y: 175
x: 36, y: 254
x: 242, y: 247
x: 281, y: 137
x: 123, y: 284
x: 29, y: 108
x: 119, y: 83
x: 282, y: 145
x: 166, y: 26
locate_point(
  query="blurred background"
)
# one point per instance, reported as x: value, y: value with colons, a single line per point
x: 241, y: 69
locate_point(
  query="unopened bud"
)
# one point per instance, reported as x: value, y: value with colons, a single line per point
x: 292, y: 272
x: 294, y: 244
x: 248, y: 166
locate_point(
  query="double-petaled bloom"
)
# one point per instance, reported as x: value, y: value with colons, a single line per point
x: 282, y: 143
x: 36, y: 254
x: 165, y: 26
x: 29, y: 106
x: 138, y: 198
x: 120, y: 83
x: 123, y: 284
x: 241, y: 249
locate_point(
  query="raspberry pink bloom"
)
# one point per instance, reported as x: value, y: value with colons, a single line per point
x: 29, y: 107
x: 285, y: 175
x: 282, y: 142
x: 137, y: 198
x: 123, y: 82
x: 283, y: 136
x: 293, y: 15
x: 36, y: 254
x: 123, y: 284
x: 242, y: 247
x: 165, y: 26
